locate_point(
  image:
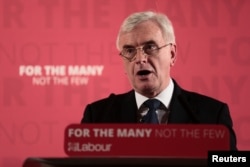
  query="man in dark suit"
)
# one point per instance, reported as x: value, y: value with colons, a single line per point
x: 146, y: 42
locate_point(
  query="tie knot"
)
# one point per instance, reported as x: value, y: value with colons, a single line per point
x: 152, y: 104
x: 151, y: 116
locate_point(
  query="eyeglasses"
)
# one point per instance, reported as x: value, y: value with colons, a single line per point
x: 150, y: 49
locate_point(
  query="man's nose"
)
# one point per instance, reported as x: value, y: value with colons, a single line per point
x: 141, y: 57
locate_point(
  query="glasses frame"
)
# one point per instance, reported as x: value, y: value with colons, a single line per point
x: 143, y: 51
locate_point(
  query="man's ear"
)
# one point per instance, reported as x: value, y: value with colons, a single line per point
x: 173, y: 54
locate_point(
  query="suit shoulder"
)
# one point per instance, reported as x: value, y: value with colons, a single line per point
x: 106, y: 109
x: 208, y: 109
x: 202, y: 99
x: 197, y: 99
x: 112, y: 98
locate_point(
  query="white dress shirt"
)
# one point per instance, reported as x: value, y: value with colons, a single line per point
x: 164, y: 97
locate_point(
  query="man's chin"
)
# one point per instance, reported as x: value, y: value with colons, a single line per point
x: 147, y: 89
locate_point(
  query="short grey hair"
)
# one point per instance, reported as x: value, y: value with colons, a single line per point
x: 161, y: 19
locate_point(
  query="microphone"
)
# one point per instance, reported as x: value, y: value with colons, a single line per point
x: 189, y: 109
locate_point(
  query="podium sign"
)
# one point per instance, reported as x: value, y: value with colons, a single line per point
x: 144, y: 140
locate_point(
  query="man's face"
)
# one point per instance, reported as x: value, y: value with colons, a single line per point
x: 148, y: 74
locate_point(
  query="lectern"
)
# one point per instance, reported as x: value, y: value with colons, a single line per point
x: 113, y: 161
x: 136, y: 145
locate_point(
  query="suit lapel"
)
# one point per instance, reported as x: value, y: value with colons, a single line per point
x: 129, y: 109
x: 178, y: 113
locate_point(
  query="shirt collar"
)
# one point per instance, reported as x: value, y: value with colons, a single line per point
x: 164, y: 96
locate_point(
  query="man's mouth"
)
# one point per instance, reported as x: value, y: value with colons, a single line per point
x: 143, y: 72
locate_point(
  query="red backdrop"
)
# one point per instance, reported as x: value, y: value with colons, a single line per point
x: 58, y: 55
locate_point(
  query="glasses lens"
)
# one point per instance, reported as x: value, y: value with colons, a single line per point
x: 150, y: 49
x: 129, y: 52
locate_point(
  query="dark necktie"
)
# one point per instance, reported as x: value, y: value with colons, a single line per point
x: 151, y: 116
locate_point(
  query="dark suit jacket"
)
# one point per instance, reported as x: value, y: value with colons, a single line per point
x: 185, y: 107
